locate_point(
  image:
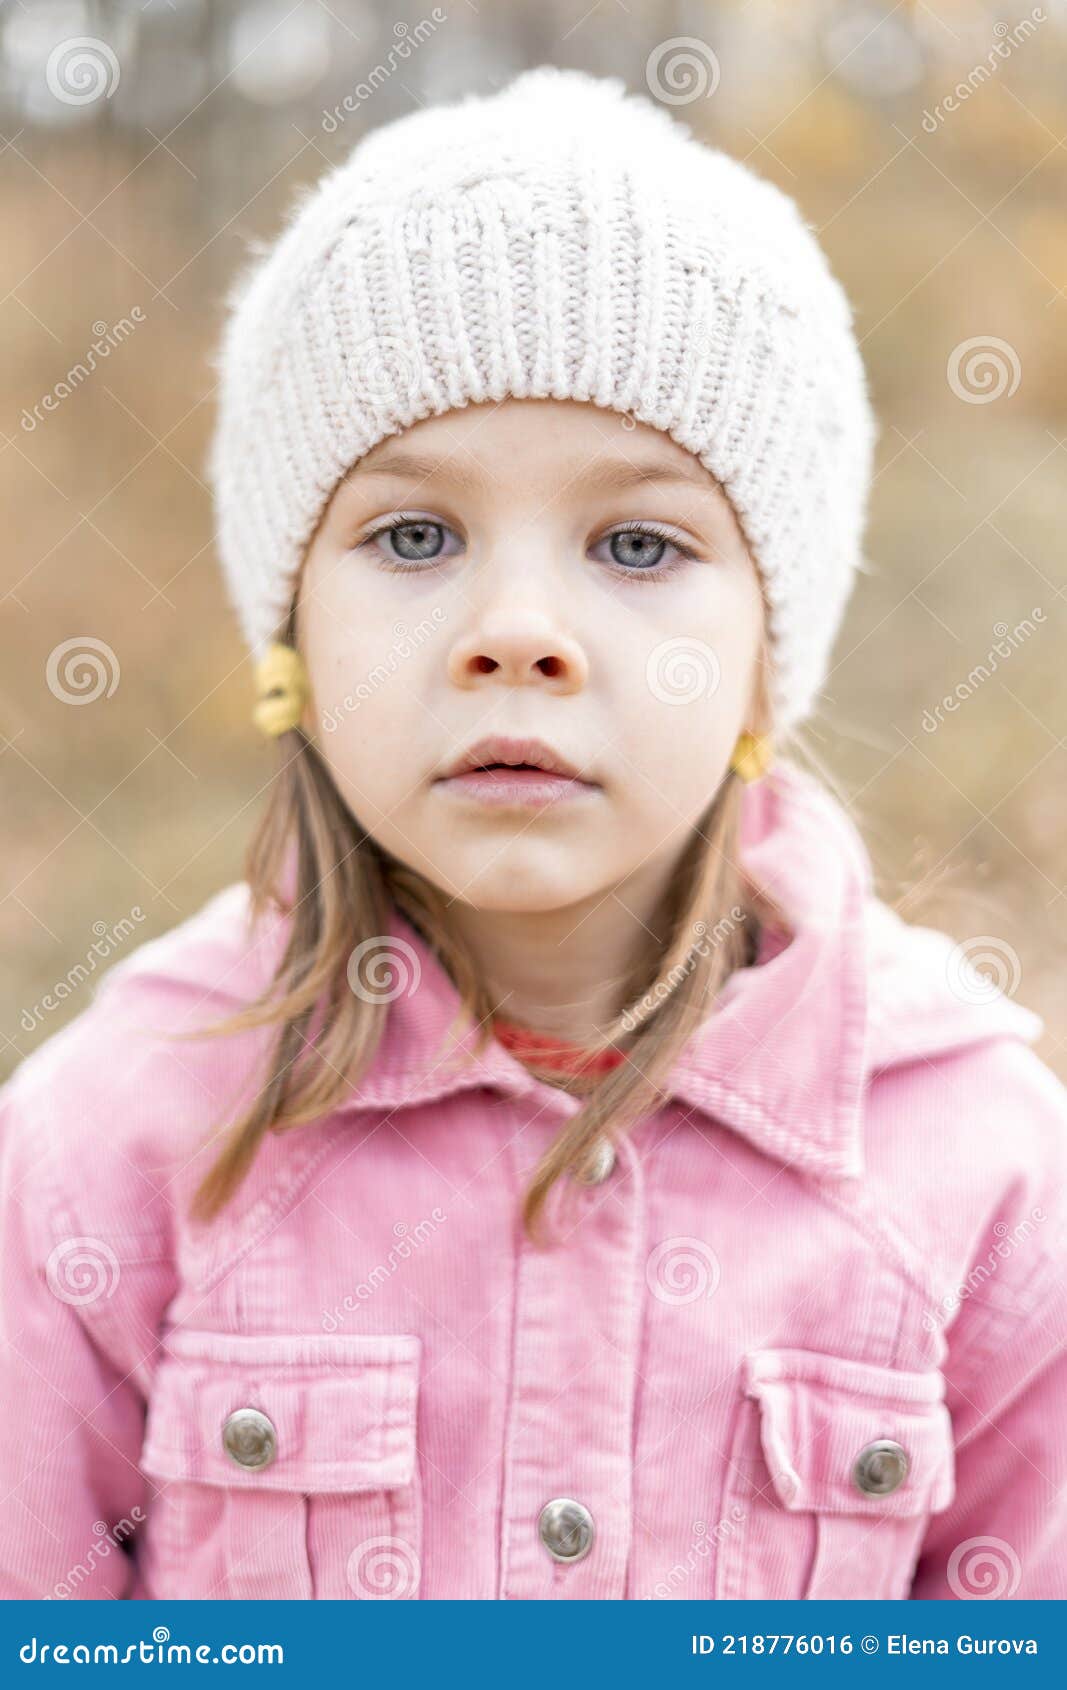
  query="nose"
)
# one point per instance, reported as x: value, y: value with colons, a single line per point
x: 518, y: 649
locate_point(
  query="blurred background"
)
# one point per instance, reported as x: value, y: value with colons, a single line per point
x: 146, y: 143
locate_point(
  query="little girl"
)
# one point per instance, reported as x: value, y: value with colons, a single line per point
x: 553, y: 1172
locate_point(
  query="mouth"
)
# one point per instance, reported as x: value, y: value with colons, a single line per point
x: 514, y: 773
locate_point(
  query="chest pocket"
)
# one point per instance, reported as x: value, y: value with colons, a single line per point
x: 835, y: 1469
x: 286, y: 1467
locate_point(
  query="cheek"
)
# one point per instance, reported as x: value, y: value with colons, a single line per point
x: 678, y: 757
x: 689, y: 637
x: 690, y: 672
x: 365, y: 720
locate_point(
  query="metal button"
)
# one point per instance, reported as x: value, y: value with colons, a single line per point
x: 566, y: 1529
x: 249, y: 1438
x: 880, y: 1468
x: 600, y: 1164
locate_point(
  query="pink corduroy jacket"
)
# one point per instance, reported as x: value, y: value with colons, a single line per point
x: 805, y: 1337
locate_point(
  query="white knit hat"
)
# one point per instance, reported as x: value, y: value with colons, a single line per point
x: 560, y: 239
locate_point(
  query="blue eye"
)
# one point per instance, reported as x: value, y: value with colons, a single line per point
x: 639, y: 550
x: 416, y: 541
x: 636, y: 547
x: 410, y: 540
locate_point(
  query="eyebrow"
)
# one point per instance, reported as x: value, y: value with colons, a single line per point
x: 604, y: 474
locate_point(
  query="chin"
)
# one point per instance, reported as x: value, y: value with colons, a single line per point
x: 510, y: 888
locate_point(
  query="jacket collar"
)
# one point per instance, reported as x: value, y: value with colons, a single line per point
x: 781, y: 1060
x: 786, y: 1055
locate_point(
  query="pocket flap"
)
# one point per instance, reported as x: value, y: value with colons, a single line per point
x: 819, y: 1413
x: 342, y: 1409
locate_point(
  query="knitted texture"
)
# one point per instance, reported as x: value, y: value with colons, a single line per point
x: 559, y: 239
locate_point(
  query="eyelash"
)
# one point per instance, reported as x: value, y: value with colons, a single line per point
x: 659, y: 572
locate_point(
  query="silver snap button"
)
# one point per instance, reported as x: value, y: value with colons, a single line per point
x: 880, y: 1468
x: 599, y: 1165
x: 566, y: 1529
x: 249, y: 1438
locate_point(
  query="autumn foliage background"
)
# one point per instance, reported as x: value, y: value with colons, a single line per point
x: 945, y: 215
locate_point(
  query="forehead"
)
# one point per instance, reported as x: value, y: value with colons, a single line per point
x: 556, y: 446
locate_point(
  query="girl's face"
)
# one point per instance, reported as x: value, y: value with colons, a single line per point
x: 533, y: 570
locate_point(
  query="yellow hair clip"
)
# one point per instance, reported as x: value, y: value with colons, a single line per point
x: 281, y: 690
x: 751, y: 756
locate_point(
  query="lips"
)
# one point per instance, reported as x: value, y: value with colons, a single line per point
x: 518, y: 754
x: 515, y: 773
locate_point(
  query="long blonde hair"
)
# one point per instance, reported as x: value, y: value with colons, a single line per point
x: 345, y: 886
